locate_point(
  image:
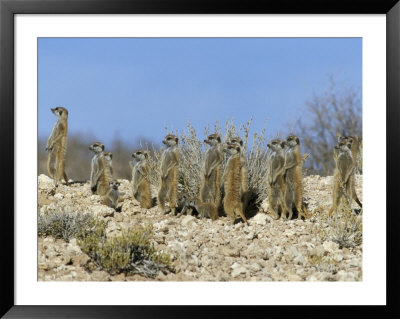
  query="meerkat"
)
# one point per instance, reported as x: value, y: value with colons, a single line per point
x: 211, y: 176
x: 293, y: 178
x: 99, y: 176
x: 169, y: 174
x: 355, y: 142
x: 205, y: 210
x: 276, y: 184
x: 343, y: 179
x: 112, y: 195
x: 57, y: 146
x: 140, y: 179
x: 232, y: 183
x: 243, y: 171
x: 108, y: 157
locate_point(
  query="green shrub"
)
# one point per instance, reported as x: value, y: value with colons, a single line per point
x: 131, y: 252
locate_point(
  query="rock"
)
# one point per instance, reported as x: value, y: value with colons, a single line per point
x: 330, y: 246
x: 101, y: 210
x: 293, y: 277
x: 100, y: 275
x: 188, y: 221
x: 59, y: 196
x: 260, y: 219
x: 237, y: 270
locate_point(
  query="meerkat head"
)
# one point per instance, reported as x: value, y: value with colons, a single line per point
x: 275, y: 145
x: 213, y: 139
x: 343, y: 146
x: 60, y: 112
x: 114, y: 184
x: 231, y: 149
x: 292, y: 141
x: 108, y: 156
x: 170, y: 140
x: 236, y: 140
x: 140, y: 155
x: 97, y: 147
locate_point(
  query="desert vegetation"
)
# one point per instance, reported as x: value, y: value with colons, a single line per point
x: 135, y: 241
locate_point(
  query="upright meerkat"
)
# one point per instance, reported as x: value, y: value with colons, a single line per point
x: 293, y: 178
x: 343, y: 179
x: 57, y: 146
x: 275, y: 181
x: 169, y: 174
x: 355, y: 142
x: 211, y: 175
x: 108, y: 157
x: 99, y: 176
x: 243, y: 171
x: 140, y: 179
x: 233, y: 204
x: 112, y: 195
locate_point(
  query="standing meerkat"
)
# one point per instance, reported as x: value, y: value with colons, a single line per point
x: 57, y: 146
x: 293, y: 178
x: 99, y: 176
x: 355, y: 143
x: 211, y: 175
x: 169, y: 174
x: 140, y: 179
x: 275, y: 181
x: 108, y: 158
x: 112, y: 195
x: 243, y: 171
x: 343, y: 179
x: 233, y: 204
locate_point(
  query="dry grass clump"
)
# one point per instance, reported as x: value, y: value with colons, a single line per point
x: 345, y: 227
x: 132, y: 252
x: 64, y: 225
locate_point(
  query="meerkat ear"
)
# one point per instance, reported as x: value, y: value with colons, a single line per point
x: 268, y: 145
x: 297, y: 141
x: 102, y: 147
x: 241, y: 142
x: 349, y: 145
x: 111, y: 155
x: 176, y: 139
x: 283, y: 144
x: 146, y: 154
x: 238, y: 149
x: 218, y: 139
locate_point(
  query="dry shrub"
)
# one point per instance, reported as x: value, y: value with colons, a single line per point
x: 192, y: 152
x: 132, y: 252
x: 65, y: 225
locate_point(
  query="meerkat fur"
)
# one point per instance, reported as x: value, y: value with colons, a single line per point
x: 232, y: 202
x: 140, y: 179
x: 205, y: 210
x: 343, y: 180
x: 293, y: 178
x: 211, y: 175
x: 57, y: 146
x: 111, y: 197
x: 99, y: 175
x: 169, y: 174
x: 276, y: 186
x: 243, y: 171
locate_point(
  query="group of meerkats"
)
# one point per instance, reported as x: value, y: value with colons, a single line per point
x: 284, y: 178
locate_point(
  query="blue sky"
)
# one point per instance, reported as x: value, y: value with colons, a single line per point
x: 131, y: 87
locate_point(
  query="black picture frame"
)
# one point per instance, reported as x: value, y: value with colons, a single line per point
x: 8, y: 8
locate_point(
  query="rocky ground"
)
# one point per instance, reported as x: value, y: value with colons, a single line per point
x: 205, y: 250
